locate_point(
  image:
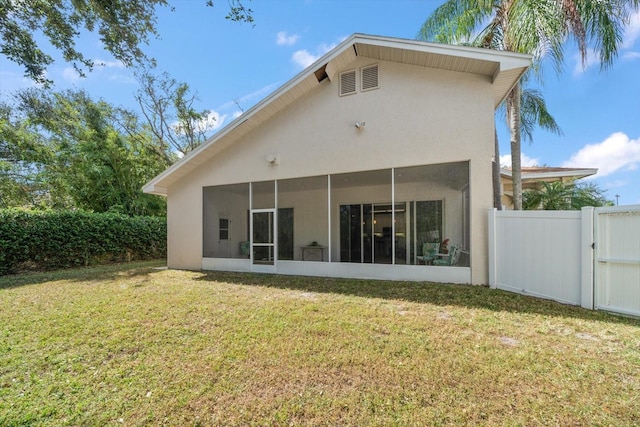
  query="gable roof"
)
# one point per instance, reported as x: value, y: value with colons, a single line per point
x: 503, y: 69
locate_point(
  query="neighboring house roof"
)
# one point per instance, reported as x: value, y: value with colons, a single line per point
x: 550, y: 173
x: 502, y: 69
x: 532, y: 177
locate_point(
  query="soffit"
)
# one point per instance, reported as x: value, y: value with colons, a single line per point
x: 428, y: 59
x: 553, y: 174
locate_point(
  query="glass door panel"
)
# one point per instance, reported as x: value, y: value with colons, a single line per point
x: 382, y: 234
x: 263, y: 237
x: 350, y: 233
x: 368, y: 238
x: 401, y: 233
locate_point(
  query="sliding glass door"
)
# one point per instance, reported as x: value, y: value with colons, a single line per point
x: 351, y: 233
x: 367, y: 233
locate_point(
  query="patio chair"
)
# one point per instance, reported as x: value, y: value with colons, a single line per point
x: 245, y: 247
x: 451, y: 259
x: 429, y: 251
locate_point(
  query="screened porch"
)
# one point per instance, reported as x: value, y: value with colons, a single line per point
x: 380, y: 217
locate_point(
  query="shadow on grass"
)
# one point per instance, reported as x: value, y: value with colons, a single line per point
x: 421, y: 292
x: 82, y: 274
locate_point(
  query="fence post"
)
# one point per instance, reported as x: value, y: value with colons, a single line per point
x: 493, y: 270
x: 587, y: 290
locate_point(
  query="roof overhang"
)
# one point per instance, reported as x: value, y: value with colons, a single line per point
x: 503, y: 69
x: 542, y: 174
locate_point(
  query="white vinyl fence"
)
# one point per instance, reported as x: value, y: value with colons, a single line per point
x: 617, y: 260
x: 589, y: 258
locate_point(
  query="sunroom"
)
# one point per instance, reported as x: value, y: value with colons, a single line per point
x: 377, y: 223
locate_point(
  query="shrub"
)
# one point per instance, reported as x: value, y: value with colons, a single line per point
x: 50, y: 240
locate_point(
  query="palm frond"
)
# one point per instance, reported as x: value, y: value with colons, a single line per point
x: 455, y: 21
x: 604, y: 26
x: 534, y: 113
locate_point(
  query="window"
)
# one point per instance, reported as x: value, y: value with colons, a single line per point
x: 224, y: 229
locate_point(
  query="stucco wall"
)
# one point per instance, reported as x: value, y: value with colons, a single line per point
x: 418, y: 116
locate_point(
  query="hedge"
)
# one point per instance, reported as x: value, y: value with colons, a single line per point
x: 49, y: 240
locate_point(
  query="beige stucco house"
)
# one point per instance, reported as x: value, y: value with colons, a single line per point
x: 348, y: 169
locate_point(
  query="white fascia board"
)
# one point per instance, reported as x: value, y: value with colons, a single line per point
x: 508, y: 60
x: 152, y: 189
x: 579, y: 173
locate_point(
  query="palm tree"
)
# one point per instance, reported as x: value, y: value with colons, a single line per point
x: 533, y: 112
x: 564, y: 196
x: 537, y: 27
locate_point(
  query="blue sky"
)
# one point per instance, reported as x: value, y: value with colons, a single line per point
x: 231, y: 64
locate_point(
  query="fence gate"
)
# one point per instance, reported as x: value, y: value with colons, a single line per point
x: 538, y: 253
x: 617, y: 259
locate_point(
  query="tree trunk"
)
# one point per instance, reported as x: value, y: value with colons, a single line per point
x: 513, y: 114
x: 497, y: 181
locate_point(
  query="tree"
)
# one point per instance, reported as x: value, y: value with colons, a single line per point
x: 21, y: 158
x: 564, y: 196
x: 533, y: 113
x: 538, y: 27
x: 123, y: 26
x: 80, y: 155
x: 167, y: 106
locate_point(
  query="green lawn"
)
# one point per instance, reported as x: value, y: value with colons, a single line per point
x: 136, y: 345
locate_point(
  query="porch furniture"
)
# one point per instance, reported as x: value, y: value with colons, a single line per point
x: 245, y: 247
x: 448, y: 259
x: 429, y: 252
x: 313, y: 253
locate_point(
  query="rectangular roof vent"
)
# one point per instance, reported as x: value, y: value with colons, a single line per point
x: 370, y: 77
x: 348, y: 83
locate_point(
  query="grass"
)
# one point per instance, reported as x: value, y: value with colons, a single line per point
x: 135, y: 345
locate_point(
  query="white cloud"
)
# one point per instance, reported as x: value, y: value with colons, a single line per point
x: 12, y: 81
x: 632, y: 31
x: 128, y: 79
x: 591, y: 60
x: 631, y: 55
x: 284, y: 39
x: 618, y: 183
x: 303, y: 58
x: 526, y: 161
x: 246, y: 101
x: 212, y: 121
x: 617, y: 152
x: 260, y: 93
x: 70, y: 74
x: 100, y: 63
x: 99, y: 66
x: 237, y: 114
